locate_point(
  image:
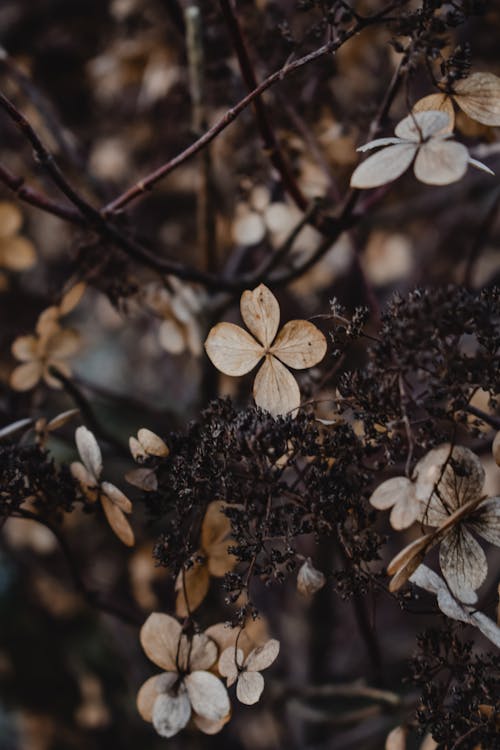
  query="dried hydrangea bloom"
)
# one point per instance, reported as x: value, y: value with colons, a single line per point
x: 147, y: 444
x: 114, y: 502
x: 309, y: 579
x: 185, y: 688
x: 50, y: 346
x: 422, y: 139
x: 246, y: 671
x: 299, y: 345
x: 451, y: 607
x: 192, y: 584
x: 17, y: 253
x: 179, y: 308
x: 478, y: 96
x: 450, y: 488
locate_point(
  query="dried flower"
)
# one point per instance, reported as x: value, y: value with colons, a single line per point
x: 185, y: 688
x: 234, y: 352
x: 478, y: 96
x: 146, y: 444
x: 114, y: 502
x: 246, y: 672
x: 424, y: 138
x: 17, y: 253
x: 309, y: 579
x: 399, y: 494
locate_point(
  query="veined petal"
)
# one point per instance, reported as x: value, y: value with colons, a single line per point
x: 275, y: 389
x: 261, y: 314
x: 89, y: 451
x: 263, y: 656
x: 208, y: 695
x: 463, y: 563
x: 479, y: 97
x: 422, y: 125
x: 299, y: 344
x: 384, y: 166
x: 441, y: 162
x: 378, y: 142
x: 232, y: 350
x: 437, y: 103
x: 171, y: 712
x: 249, y: 687
x: 26, y: 376
x: 118, y: 521
x: 485, y: 521
x: 202, y: 652
x: 159, y: 637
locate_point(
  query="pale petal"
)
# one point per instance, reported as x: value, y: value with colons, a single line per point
x: 25, y: 348
x: 450, y: 607
x: 150, y: 690
x: 227, y: 664
x: 487, y: 627
x: 136, y: 449
x: 422, y: 125
x: 159, y: 637
x: 202, y: 652
x: 437, y: 103
x: 89, y: 451
x: 377, y: 143
x: 25, y: 376
x: 210, y: 727
x: 13, y: 427
x: 171, y: 713
x: 194, y: 587
x: 232, y: 350
x: 384, y: 166
x: 144, y: 479
x: 86, y: 479
x: 171, y: 336
x: 479, y: 97
x: 263, y: 656
x: 11, y: 219
x: 463, y: 563
x: 152, y: 443
x: 118, y: 522
x: 391, y: 491
x: 429, y: 743
x: 485, y: 521
x: 18, y: 254
x: 405, y: 512
x: 62, y: 344
x: 208, y: 695
x: 309, y: 579
x: 261, y: 314
x: 299, y: 344
x: 495, y: 448
x: 441, y: 162
x: 427, y: 579
x: 275, y: 389
x: 249, y: 687
x: 117, y: 497
x: 72, y: 298
x: 479, y: 165
x: 48, y: 322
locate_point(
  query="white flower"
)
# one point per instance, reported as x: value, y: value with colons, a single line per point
x: 421, y: 137
x: 246, y: 672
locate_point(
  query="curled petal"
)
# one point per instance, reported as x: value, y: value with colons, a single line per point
x: 275, y: 389
x: 441, y: 162
x: 377, y: 143
x: 384, y: 166
x: 232, y: 350
x: 261, y: 314
x: 191, y: 585
x: 208, y: 695
x: 159, y: 637
x: 463, y: 563
x: 299, y: 344
x: 249, y: 687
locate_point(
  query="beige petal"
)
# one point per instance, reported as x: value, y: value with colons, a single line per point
x: 159, y: 637
x: 199, y: 652
x: 62, y: 344
x: 228, y: 664
x: 249, y: 687
x: 89, y: 451
x: 72, y: 297
x: 61, y: 367
x: 495, y: 448
x: 463, y: 563
x: 208, y: 695
x: 61, y: 419
x: 261, y: 314
x: 263, y: 656
x: 309, y: 579
x: 144, y: 479
x: 422, y: 125
x: 25, y: 348
x: 86, y: 479
x: 26, y: 376
x: 136, y: 449
x: 485, y: 521
x: 171, y: 336
x: 299, y: 344
x: 171, y: 712
x: 275, y: 389
x: 210, y: 727
x: 440, y: 162
x: 215, y: 527
x: 152, y: 443
x: 11, y: 219
x: 396, y: 740
x: 48, y: 322
x: 232, y: 350
x: 147, y: 696
x: 117, y: 497
x: 438, y: 103
x: 385, y: 166
x: 118, y: 522
x: 479, y: 97
x: 390, y: 492
x: 405, y: 512
x: 18, y: 254
x: 194, y: 587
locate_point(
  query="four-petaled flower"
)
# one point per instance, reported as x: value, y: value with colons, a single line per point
x: 246, y: 671
x: 235, y: 352
x: 186, y: 688
x: 422, y: 137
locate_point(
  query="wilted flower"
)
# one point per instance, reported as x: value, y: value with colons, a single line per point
x: 450, y: 488
x: 17, y: 253
x: 309, y: 579
x: 234, y: 352
x: 246, y: 671
x: 478, y: 96
x: 88, y: 473
x: 212, y: 559
x: 185, y: 688
x: 422, y: 137
x: 146, y: 444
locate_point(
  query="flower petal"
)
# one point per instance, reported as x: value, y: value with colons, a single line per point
x: 84, y: 477
x: 62, y: 344
x: 11, y: 219
x: 118, y: 521
x: 159, y: 637
x: 144, y: 479
x: 171, y: 712
x: 249, y: 687
x: 72, y: 297
x: 487, y: 627
x: 263, y: 656
x: 441, y: 162
x: 309, y: 579
x: 232, y: 350
x: 25, y: 376
x: 377, y: 143
x: 384, y: 166
x: 479, y: 97
x: 422, y: 125
x: 18, y: 254
x: 89, y: 451
x: 202, y: 652
x: 171, y: 336
x: 275, y: 389
x: 437, y: 103
x: 208, y: 695
x: 25, y: 348
x: 150, y: 690
x: 407, y: 561
x: 463, y: 563
x: 485, y: 521
x: 152, y: 443
x: 117, y: 497
x: 227, y: 664
x: 210, y: 727
x: 299, y: 344
x: 215, y: 527
x: 261, y: 314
